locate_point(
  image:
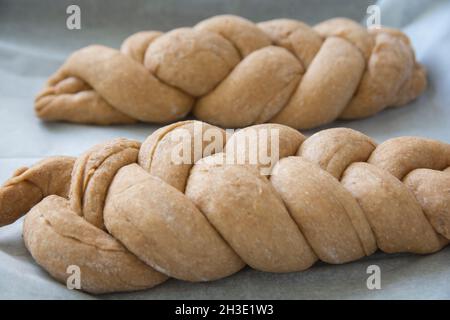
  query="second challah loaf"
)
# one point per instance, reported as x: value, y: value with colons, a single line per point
x: 234, y: 73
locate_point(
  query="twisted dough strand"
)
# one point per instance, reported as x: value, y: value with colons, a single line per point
x: 234, y: 73
x: 335, y: 196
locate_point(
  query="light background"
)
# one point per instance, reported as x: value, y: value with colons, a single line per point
x: 34, y: 41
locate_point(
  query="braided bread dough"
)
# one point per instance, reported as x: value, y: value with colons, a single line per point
x: 234, y: 73
x: 133, y: 218
x: 28, y: 186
